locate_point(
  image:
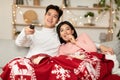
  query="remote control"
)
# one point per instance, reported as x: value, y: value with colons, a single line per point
x: 32, y: 26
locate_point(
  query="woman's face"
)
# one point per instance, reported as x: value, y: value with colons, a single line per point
x: 65, y: 31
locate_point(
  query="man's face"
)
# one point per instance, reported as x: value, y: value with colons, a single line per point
x: 51, y: 18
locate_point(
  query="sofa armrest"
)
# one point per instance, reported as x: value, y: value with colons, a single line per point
x: 8, y: 51
x: 115, y: 44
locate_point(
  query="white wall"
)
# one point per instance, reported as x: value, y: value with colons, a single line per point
x: 6, y: 21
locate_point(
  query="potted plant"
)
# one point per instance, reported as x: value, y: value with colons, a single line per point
x: 116, y: 7
x: 89, y: 16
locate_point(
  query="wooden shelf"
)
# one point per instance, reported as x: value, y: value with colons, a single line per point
x: 25, y: 6
x: 18, y: 24
x: 92, y: 27
x: 74, y: 9
x: 84, y: 8
x: 40, y: 25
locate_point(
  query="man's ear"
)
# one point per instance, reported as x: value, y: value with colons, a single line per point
x: 58, y: 20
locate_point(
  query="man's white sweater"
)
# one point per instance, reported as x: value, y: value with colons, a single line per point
x: 43, y: 41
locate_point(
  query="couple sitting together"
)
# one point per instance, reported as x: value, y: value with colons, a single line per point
x: 59, y: 54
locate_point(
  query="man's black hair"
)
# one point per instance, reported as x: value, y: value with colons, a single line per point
x: 55, y: 7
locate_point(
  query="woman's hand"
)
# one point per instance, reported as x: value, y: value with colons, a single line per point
x: 72, y: 39
x: 105, y: 49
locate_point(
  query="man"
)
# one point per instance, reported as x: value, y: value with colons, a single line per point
x: 45, y: 40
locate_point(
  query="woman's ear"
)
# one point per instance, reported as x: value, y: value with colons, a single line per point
x: 72, y: 31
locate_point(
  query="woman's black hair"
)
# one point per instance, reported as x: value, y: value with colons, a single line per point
x: 55, y: 7
x: 58, y: 30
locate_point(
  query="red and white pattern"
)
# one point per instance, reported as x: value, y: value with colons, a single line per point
x: 21, y: 69
x: 89, y: 70
x: 93, y: 67
x: 60, y: 72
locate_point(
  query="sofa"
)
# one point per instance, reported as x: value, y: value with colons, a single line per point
x: 115, y: 44
x: 8, y: 50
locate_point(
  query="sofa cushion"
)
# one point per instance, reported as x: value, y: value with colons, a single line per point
x: 115, y: 44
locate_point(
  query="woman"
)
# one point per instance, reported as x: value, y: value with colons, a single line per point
x: 80, y: 47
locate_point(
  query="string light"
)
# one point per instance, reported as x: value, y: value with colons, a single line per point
x: 77, y: 19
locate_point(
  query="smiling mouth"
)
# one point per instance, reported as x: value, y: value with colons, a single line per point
x: 50, y: 21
